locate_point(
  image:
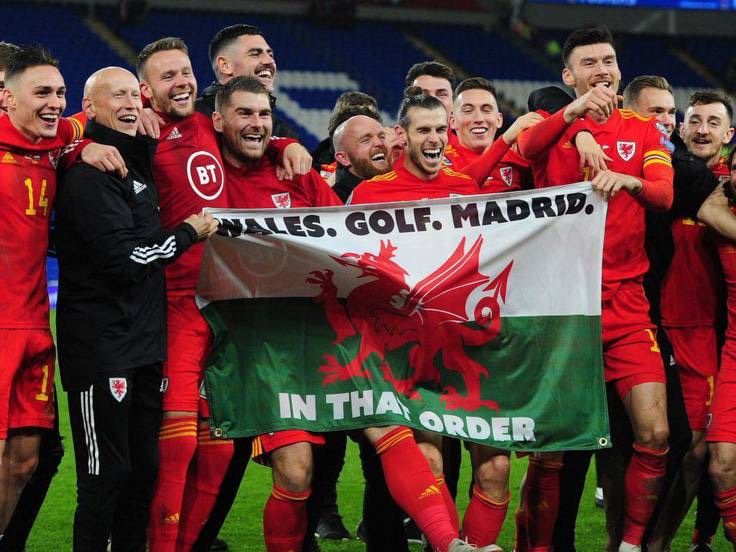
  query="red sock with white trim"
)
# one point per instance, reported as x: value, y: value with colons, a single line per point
x: 449, y: 503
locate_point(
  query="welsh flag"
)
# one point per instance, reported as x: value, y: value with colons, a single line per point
x: 476, y: 317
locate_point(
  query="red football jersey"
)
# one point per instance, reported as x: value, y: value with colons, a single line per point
x: 691, y: 289
x: 401, y: 185
x: 27, y: 192
x: 257, y: 187
x: 189, y: 177
x: 511, y: 173
x: 638, y: 148
x: 727, y: 254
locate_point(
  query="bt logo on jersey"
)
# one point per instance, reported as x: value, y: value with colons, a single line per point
x: 205, y: 175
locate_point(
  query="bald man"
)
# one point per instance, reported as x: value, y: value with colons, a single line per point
x: 361, y: 152
x: 111, y: 317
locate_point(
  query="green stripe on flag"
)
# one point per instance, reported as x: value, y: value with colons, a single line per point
x: 275, y: 366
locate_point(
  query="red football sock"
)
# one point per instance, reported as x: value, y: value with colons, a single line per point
x: 413, y: 486
x: 642, y: 484
x: 177, y: 442
x: 521, y: 544
x: 211, y: 462
x: 484, y: 518
x: 541, y: 502
x: 449, y: 502
x: 726, y: 502
x: 285, y: 520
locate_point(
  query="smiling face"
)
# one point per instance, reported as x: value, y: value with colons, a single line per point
x: 592, y: 65
x: 35, y: 100
x: 476, y: 119
x: 365, y: 151
x: 113, y: 99
x: 245, y: 124
x: 169, y: 84
x: 657, y: 103
x: 426, y: 137
x: 706, y: 129
x: 249, y: 56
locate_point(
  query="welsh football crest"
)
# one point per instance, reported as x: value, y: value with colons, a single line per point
x: 626, y: 150
x: 507, y: 173
x: 282, y: 201
x: 118, y: 388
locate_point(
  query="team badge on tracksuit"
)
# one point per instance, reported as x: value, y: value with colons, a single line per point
x: 118, y: 388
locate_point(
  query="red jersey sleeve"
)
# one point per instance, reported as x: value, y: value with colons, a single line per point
x: 534, y: 142
x: 277, y: 146
x: 657, y: 192
x: 480, y: 169
x: 322, y: 194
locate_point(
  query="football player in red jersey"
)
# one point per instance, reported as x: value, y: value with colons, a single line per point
x: 706, y: 129
x: 32, y: 137
x: 691, y: 288
x: 243, y: 116
x: 476, y: 119
x: 189, y: 177
x: 421, y: 174
x: 720, y: 435
x: 638, y: 176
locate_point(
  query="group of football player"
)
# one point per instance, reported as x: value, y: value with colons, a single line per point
x: 140, y: 164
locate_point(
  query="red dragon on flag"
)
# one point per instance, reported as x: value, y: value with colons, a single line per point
x: 433, y: 316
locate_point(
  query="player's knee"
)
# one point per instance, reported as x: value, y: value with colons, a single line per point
x: 21, y: 470
x: 655, y: 437
x: 696, y: 455
x: 492, y: 476
x: 722, y: 467
x: 294, y: 475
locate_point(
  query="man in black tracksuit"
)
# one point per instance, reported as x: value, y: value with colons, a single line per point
x: 111, y: 318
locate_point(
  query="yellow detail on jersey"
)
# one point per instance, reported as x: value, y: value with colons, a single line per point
x: 656, y: 156
x: 658, y: 161
x: 628, y: 114
x: 691, y: 222
x: 449, y: 172
x: 77, y: 127
x: 391, y: 175
x: 8, y: 158
x: 450, y: 150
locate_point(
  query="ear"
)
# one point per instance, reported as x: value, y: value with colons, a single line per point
x: 342, y: 158
x: 217, y: 121
x: 567, y: 77
x: 400, y: 134
x: 88, y: 108
x: 223, y: 66
x: 681, y: 129
x: 728, y: 136
x: 500, y: 119
x: 8, y: 99
x: 146, y: 91
x: 451, y: 120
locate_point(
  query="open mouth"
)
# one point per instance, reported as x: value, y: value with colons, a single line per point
x: 603, y: 84
x: 265, y: 73
x: 432, y: 154
x: 378, y: 157
x: 49, y: 118
x: 478, y: 131
x: 253, y: 138
x: 182, y: 97
x: 128, y: 119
